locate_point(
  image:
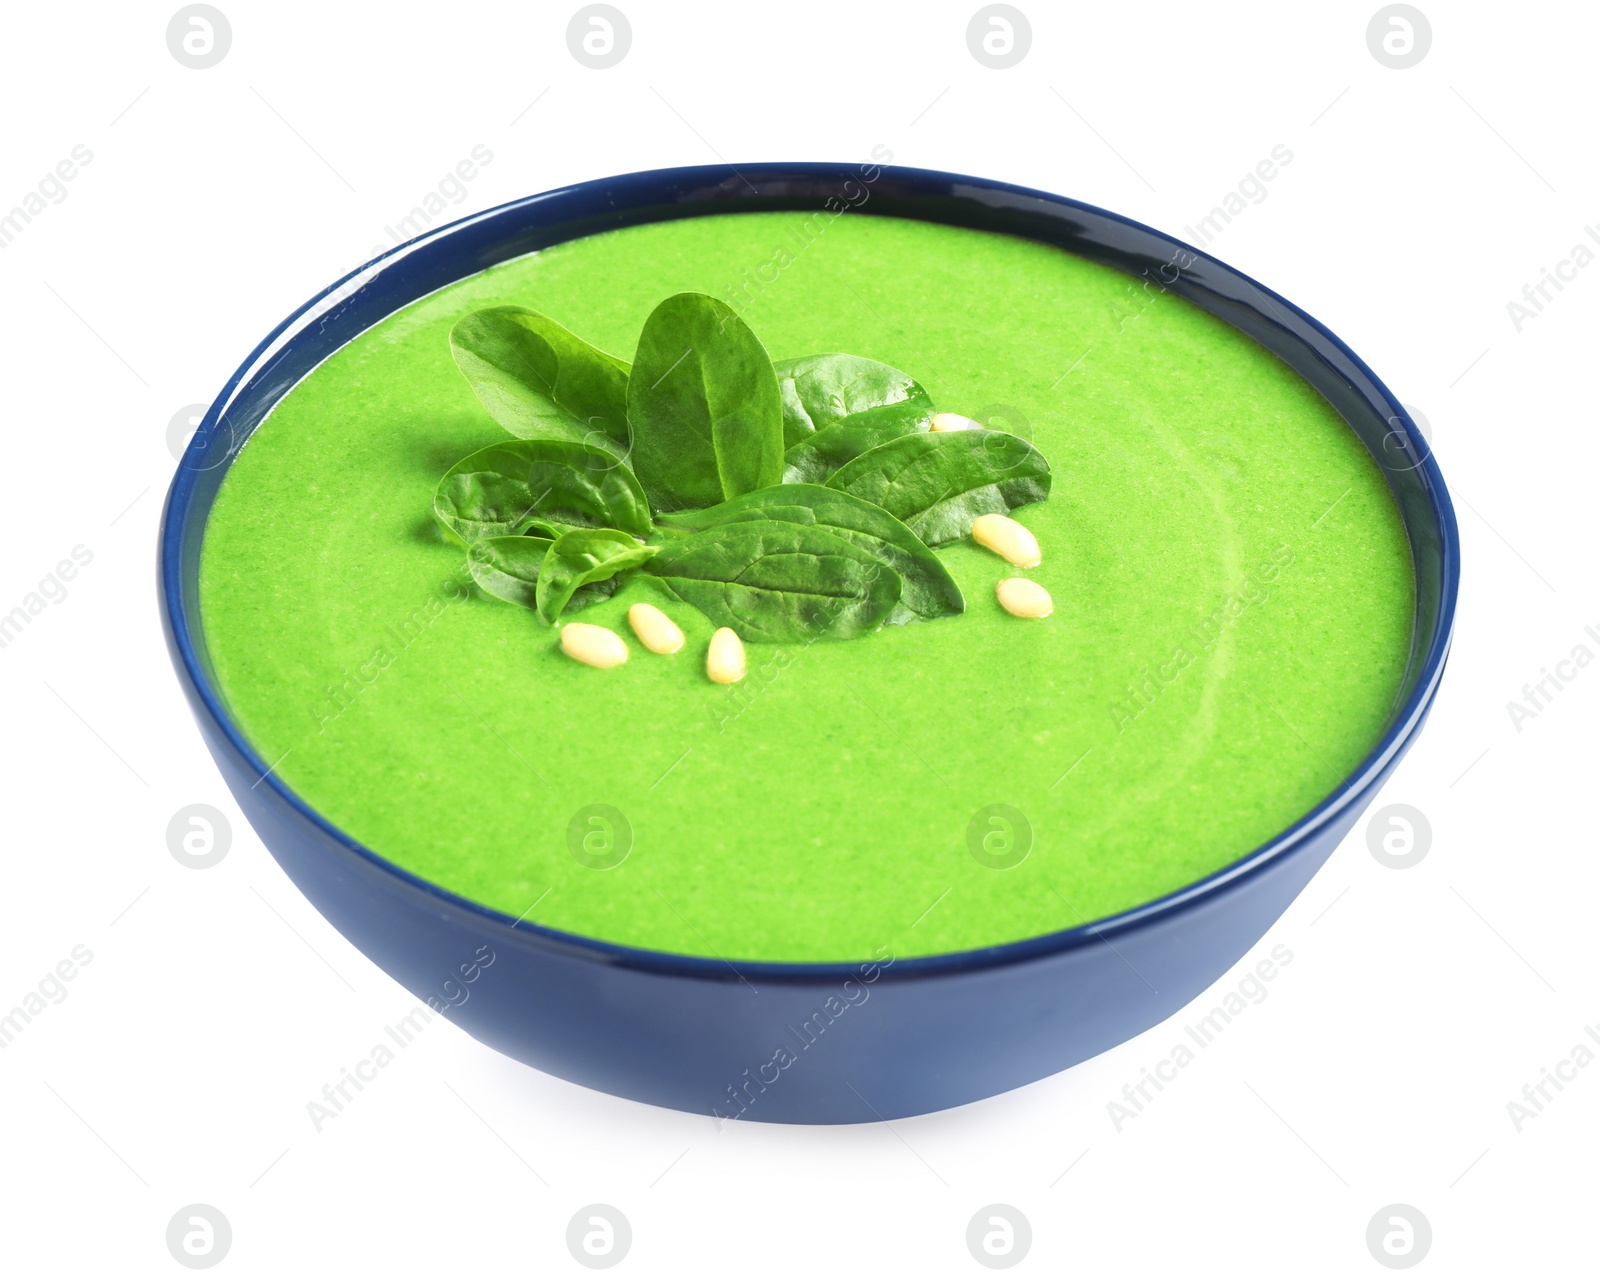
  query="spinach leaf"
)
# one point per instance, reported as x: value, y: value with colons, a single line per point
x: 508, y: 566
x: 703, y: 406
x: 937, y: 483
x: 821, y: 454
x: 822, y: 389
x: 928, y: 591
x: 539, y: 380
x: 779, y: 582
x: 584, y: 557
x: 510, y: 486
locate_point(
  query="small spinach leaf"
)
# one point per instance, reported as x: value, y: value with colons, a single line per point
x: 584, y: 557
x: 937, y: 483
x: 539, y: 380
x: 779, y: 582
x: 703, y: 406
x: 510, y: 486
x: 508, y: 566
x: 822, y: 389
x: 821, y: 454
x: 928, y: 590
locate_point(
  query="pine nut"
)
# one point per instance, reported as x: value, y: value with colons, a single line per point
x: 590, y: 644
x: 654, y: 629
x: 1024, y: 598
x: 1009, y: 538
x: 725, y: 662
x: 945, y: 422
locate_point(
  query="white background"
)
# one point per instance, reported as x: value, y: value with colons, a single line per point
x: 218, y: 1003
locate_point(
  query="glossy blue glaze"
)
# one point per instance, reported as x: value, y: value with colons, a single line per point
x: 701, y: 1035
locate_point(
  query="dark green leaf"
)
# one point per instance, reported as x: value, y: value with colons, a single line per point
x: 703, y: 406
x: 539, y: 380
x: 937, y: 483
x: 584, y: 557
x: 779, y: 582
x: 507, y: 567
x: 821, y: 454
x: 822, y: 389
x: 506, y: 488
x: 928, y: 590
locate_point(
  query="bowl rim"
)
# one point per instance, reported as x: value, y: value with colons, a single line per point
x: 1353, y: 790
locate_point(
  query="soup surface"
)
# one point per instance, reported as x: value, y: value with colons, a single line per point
x: 1233, y: 609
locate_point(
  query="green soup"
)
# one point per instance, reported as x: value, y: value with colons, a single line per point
x: 1233, y: 609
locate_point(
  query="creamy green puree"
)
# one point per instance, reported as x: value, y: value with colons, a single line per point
x: 1233, y: 609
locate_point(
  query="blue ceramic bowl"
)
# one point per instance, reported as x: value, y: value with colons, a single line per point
x: 698, y: 1034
